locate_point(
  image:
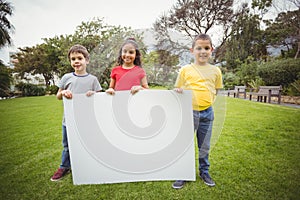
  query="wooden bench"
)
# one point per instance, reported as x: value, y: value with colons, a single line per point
x: 237, y: 91
x: 266, y: 93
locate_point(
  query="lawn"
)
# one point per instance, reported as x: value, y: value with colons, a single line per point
x: 257, y: 156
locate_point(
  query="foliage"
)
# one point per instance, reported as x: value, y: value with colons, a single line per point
x: 6, y: 28
x: 246, y: 40
x: 5, y: 79
x: 192, y: 18
x: 280, y: 72
x: 294, y: 88
x: 248, y: 71
x: 40, y: 59
x: 285, y: 31
x: 255, y: 83
x: 161, y: 68
x: 52, y: 89
x: 240, y: 160
x: 29, y: 89
x: 230, y: 80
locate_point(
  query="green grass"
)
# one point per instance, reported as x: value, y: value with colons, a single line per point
x: 257, y: 156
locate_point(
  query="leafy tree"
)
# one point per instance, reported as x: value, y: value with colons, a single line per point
x: 192, y: 17
x: 246, y: 40
x: 285, y: 31
x: 5, y: 78
x: 161, y: 68
x: 41, y: 59
x: 5, y: 26
x: 248, y: 71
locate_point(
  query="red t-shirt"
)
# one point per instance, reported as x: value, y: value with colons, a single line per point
x: 126, y: 78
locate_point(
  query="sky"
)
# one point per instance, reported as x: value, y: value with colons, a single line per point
x: 37, y: 19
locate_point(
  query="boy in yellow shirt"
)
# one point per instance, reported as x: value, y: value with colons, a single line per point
x: 204, y: 80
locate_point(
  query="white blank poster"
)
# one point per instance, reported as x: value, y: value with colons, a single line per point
x: 147, y: 136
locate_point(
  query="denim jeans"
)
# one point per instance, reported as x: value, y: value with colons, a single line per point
x: 203, y: 122
x: 65, y: 157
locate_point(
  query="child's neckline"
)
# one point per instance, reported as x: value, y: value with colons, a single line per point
x: 124, y: 67
x: 80, y: 75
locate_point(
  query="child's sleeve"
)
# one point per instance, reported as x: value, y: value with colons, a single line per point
x: 97, y: 86
x: 61, y: 84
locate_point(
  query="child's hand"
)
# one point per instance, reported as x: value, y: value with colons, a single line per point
x: 90, y: 93
x: 179, y: 90
x: 136, y: 88
x: 110, y: 91
x: 67, y: 94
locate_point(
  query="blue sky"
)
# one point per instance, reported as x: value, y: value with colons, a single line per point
x: 37, y: 19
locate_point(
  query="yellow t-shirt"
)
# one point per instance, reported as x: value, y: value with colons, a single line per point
x: 203, y: 81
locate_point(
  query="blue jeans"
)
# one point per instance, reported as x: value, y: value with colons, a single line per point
x: 65, y: 157
x: 203, y: 122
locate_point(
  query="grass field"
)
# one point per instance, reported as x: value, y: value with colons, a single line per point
x: 257, y: 156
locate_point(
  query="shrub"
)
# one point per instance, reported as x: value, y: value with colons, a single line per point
x: 52, y: 89
x: 230, y: 80
x: 279, y: 72
x: 294, y: 88
x: 29, y: 89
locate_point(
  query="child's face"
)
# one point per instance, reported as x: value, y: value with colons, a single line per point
x: 128, y: 54
x: 202, y: 51
x: 78, y: 62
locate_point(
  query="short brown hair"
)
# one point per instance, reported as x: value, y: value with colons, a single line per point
x: 77, y: 48
x: 201, y: 36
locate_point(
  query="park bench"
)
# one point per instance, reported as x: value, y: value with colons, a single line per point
x: 266, y: 93
x: 237, y: 91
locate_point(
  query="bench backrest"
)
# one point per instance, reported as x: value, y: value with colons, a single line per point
x: 241, y: 88
x: 275, y: 90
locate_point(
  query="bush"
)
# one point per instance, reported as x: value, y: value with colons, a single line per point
x: 29, y: 89
x: 52, y: 89
x: 294, y: 88
x: 280, y: 72
x: 230, y: 80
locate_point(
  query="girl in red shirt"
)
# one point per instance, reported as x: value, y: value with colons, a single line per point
x: 128, y: 74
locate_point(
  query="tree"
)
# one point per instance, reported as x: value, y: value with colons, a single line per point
x: 285, y: 31
x: 5, y: 78
x: 40, y: 59
x: 6, y: 28
x: 161, y: 67
x: 246, y: 39
x: 192, y: 17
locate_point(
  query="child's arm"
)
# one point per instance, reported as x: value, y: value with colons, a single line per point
x: 111, y: 90
x: 144, y: 83
x: 136, y: 88
x: 63, y: 93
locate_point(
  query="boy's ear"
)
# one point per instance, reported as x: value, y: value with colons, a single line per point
x: 191, y: 50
